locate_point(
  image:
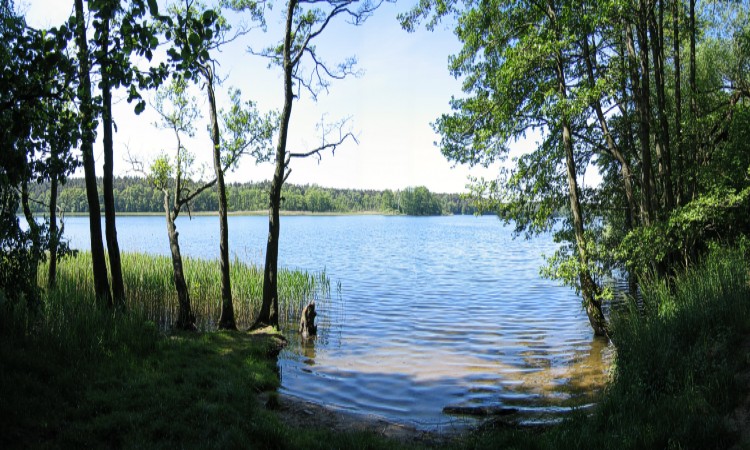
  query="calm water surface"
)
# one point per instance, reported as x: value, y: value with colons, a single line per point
x: 431, y: 312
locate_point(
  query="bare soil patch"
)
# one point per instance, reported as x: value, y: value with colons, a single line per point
x: 299, y: 413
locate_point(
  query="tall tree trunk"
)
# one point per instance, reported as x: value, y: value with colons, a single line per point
x: 612, y: 146
x: 35, y: 236
x: 692, y: 160
x: 98, y: 260
x: 679, y: 189
x: 113, y: 248
x: 589, y: 288
x: 628, y: 136
x: 269, y: 312
x: 663, y: 138
x: 53, y: 233
x: 641, y: 87
x: 185, y: 316
x: 270, y: 308
x: 226, y: 321
x: 644, y: 100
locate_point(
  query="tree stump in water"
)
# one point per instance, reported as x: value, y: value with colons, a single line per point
x: 307, y: 325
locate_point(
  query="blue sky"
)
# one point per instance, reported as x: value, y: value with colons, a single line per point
x: 404, y: 87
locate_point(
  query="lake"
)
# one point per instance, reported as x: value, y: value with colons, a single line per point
x: 431, y: 312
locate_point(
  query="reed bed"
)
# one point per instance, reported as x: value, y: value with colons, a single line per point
x: 150, y: 291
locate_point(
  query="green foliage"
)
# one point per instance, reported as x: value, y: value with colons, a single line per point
x: 34, y: 85
x: 246, y: 131
x: 174, y: 175
x: 194, y: 32
x: 19, y: 257
x: 122, y: 30
x: 674, y: 170
x: 38, y: 128
x: 318, y: 200
x: 160, y: 171
x: 722, y: 216
x: 177, y: 107
x: 419, y: 201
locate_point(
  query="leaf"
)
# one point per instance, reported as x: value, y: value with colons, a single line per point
x: 194, y: 39
x: 140, y: 107
x: 209, y: 16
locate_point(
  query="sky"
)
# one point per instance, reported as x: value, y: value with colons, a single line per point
x: 405, y: 85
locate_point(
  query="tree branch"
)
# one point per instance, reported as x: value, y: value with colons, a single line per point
x: 189, y: 198
x: 325, y: 131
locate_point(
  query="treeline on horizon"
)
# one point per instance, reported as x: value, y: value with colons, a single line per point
x: 137, y: 195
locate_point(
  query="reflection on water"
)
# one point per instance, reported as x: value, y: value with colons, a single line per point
x: 307, y: 349
x: 433, y: 312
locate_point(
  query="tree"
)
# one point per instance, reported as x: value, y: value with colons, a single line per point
x: 172, y: 176
x: 120, y: 30
x: 419, y: 201
x: 88, y: 125
x: 35, y: 91
x: 60, y: 138
x: 519, y: 58
x: 305, y: 21
x: 196, y: 34
x: 318, y: 200
x: 175, y: 177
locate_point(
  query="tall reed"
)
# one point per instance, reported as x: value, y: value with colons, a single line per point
x: 150, y: 289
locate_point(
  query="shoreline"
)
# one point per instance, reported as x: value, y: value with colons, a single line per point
x: 301, y: 413
x: 248, y: 213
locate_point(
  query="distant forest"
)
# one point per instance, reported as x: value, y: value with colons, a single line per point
x: 136, y: 195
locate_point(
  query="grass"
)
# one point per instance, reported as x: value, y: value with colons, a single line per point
x: 150, y: 289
